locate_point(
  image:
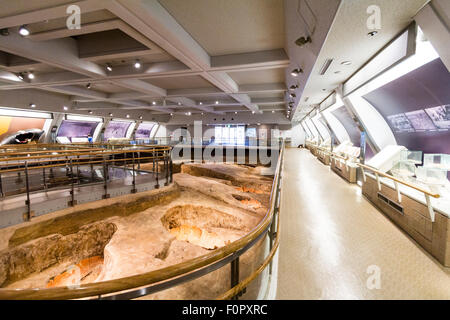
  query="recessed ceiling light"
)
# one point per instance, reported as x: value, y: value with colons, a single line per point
x: 24, y: 31
x: 127, y: 115
x: 140, y: 117
x: 217, y: 102
x: 171, y: 114
x: 65, y: 108
x: 273, y: 111
x: 346, y: 63
x: 109, y: 67
x: 154, y: 103
x: 202, y: 113
x: 259, y: 124
x: 235, y: 112
x: 200, y: 103
x: 32, y: 105
x: 90, y: 112
x: 189, y: 113
x: 296, y: 72
x: 137, y: 64
x: 179, y: 103
x: 30, y: 75
x: 110, y: 114
x: 253, y: 112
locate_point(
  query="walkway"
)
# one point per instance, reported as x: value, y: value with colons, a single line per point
x: 331, y: 237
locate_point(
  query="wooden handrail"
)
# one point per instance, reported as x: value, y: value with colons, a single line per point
x: 152, y: 277
x: 434, y: 195
x: 95, y: 153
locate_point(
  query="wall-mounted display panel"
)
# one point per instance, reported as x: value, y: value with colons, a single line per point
x: 144, y: 130
x: 116, y: 130
x: 416, y: 107
x: 77, y: 129
x: 349, y: 124
x: 11, y: 125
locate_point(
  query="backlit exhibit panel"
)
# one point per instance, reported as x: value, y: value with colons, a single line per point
x: 144, y: 130
x: 116, y: 129
x: 77, y: 129
x: 416, y: 107
x: 349, y: 124
x: 10, y: 125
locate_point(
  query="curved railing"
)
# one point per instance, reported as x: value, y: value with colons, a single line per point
x: 157, y: 280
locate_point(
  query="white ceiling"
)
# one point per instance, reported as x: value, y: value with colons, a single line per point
x: 191, y: 51
x: 348, y: 40
x: 231, y: 26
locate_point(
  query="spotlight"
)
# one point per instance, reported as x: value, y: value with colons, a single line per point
x: 65, y: 108
x: 140, y: 117
x: 154, y: 103
x: 217, y: 102
x: 346, y: 63
x: 303, y: 40
x: 30, y: 75
x: 171, y: 114
x: 179, y: 103
x: 293, y: 87
x: 32, y: 105
x: 20, y: 76
x: 24, y: 31
x: 253, y: 112
x: 90, y: 112
x: 273, y: 111
x: 296, y: 72
x: 372, y: 33
x: 235, y: 112
x: 200, y: 103
x: 127, y: 115
x: 137, y: 64
x: 109, y: 67
x: 202, y: 113
x: 88, y: 86
x: 293, y: 95
x: 110, y: 114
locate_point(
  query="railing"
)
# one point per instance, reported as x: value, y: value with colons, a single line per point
x: 56, y: 170
x: 157, y: 280
x: 397, y: 181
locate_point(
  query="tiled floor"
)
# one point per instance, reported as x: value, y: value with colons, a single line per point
x: 336, y: 245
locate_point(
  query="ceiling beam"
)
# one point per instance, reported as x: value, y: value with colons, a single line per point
x: 250, y: 61
x: 62, y: 53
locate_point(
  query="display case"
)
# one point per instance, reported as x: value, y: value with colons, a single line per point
x: 437, y: 161
x: 404, y: 170
x: 414, y: 157
x: 430, y: 175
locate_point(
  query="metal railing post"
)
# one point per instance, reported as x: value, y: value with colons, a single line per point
x: 133, y: 190
x: 1, y: 186
x: 235, y: 276
x: 72, y: 202
x: 105, y: 179
x: 157, y: 173
x: 43, y: 176
x: 166, y: 167
x: 171, y: 169
x: 27, y: 216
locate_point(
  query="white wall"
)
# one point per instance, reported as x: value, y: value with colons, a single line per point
x: 297, y: 135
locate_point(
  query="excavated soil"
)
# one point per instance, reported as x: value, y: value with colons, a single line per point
x: 207, y: 207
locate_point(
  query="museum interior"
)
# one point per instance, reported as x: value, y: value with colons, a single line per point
x: 225, y: 150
